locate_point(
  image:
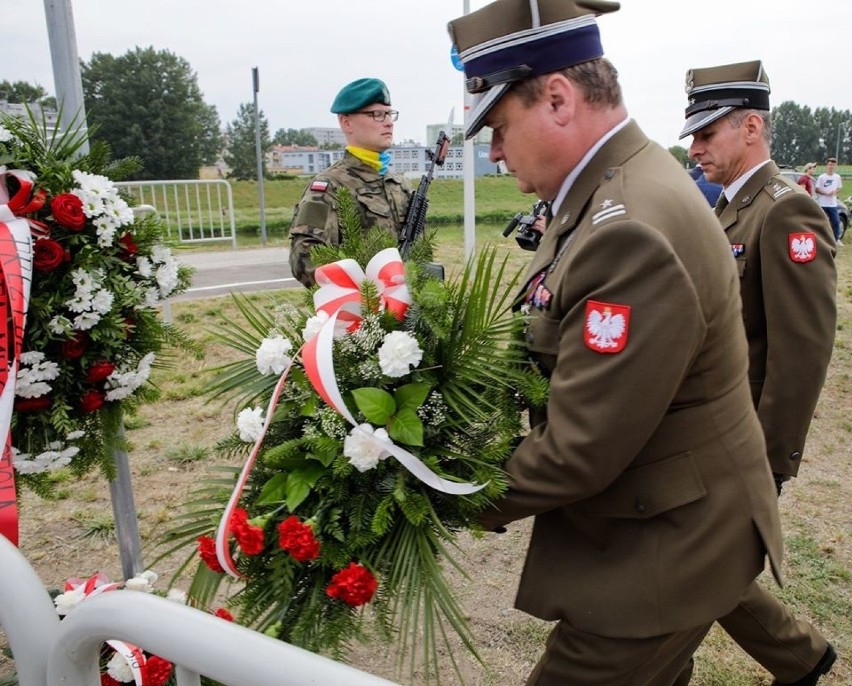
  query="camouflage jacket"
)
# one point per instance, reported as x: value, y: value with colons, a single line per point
x: 380, y: 200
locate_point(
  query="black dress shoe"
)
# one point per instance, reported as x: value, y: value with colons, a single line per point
x: 823, y: 667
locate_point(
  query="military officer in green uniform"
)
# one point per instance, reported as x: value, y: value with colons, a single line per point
x: 646, y: 473
x: 784, y: 251
x: 363, y: 110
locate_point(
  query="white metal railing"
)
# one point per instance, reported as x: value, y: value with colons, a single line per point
x: 193, y: 210
x: 47, y: 651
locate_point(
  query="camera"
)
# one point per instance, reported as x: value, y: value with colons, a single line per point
x: 527, y: 237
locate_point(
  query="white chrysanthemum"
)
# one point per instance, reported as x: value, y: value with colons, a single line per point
x: 314, y: 324
x: 398, y: 353
x: 25, y: 388
x: 86, y: 321
x: 167, y: 277
x: 119, y: 670
x: 176, y: 595
x: 74, y: 435
x: 81, y: 302
x: 105, y: 228
x: 152, y: 297
x: 365, y: 446
x: 250, y: 424
x: 122, y: 383
x: 65, y: 602
x: 102, y: 301
x: 31, y: 357
x: 271, y: 357
x: 82, y: 279
x: 5, y: 134
x: 160, y: 253
x: 119, y: 211
x: 59, y: 325
x: 143, y: 266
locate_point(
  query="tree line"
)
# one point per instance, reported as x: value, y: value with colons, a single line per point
x: 147, y: 104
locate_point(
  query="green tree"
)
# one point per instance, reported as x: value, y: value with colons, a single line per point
x: 21, y: 92
x: 147, y: 103
x: 241, y: 156
x: 293, y: 137
x: 680, y: 154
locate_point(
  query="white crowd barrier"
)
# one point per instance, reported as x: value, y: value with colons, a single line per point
x: 49, y: 651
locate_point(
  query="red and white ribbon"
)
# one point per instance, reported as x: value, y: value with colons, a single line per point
x: 16, y: 258
x: 95, y: 584
x: 134, y: 657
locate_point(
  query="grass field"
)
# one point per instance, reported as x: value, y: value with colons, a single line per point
x: 173, y: 448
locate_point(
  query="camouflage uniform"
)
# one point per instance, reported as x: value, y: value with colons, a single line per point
x: 381, y: 201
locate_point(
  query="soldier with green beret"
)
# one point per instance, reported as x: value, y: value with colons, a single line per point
x: 363, y: 109
x: 646, y: 471
x: 784, y: 251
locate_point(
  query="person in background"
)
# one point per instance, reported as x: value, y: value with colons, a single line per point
x: 806, y: 180
x: 784, y: 253
x: 646, y: 471
x: 363, y: 109
x: 711, y: 191
x: 827, y: 186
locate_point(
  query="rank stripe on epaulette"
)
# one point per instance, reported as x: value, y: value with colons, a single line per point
x: 780, y: 191
x: 608, y: 213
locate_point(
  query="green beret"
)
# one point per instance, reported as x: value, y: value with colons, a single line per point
x: 353, y: 96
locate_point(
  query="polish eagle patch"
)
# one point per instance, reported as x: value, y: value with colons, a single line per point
x: 606, y: 326
x: 802, y: 246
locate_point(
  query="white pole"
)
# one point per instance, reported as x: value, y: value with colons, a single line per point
x: 469, y: 177
x: 66, y: 67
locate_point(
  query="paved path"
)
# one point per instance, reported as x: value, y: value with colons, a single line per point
x: 231, y: 269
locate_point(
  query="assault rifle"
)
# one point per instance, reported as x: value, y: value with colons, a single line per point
x: 528, y: 238
x: 415, y: 216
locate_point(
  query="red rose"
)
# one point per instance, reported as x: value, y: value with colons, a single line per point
x: 47, y: 255
x: 99, y: 371
x: 92, y: 400
x: 33, y: 404
x: 68, y: 211
x: 207, y: 551
x: 157, y: 671
x: 298, y: 539
x: 128, y: 248
x: 249, y: 537
x: 354, y: 585
x: 74, y: 348
x: 222, y: 613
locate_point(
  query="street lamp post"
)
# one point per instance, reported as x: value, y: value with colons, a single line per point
x: 840, y: 125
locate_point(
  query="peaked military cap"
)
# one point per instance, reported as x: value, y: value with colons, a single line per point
x: 713, y: 92
x: 510, y: 40
x: 360, y: 93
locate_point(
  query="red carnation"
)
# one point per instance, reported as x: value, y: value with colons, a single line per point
x: 33, y: 404
x: 207, y: 551
x: 298, y: 539
x: 157, y: 671
x: 92, y: 400
x: 249, y: 537
x: 48, y: 255
x: 222, y: 613
x: 128, y: 248
x: 68, y: 211
x: 74, y: 348
x: 354, y: 585
x: 99, y: 371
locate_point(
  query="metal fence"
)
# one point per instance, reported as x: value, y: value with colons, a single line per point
x: 194, y: 211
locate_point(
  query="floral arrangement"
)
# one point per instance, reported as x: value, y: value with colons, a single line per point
x: 375, y: 420
x: 92, y: 328
x: 122, y: 662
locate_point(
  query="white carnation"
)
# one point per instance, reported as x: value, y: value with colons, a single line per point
x: 314, y: 324
x: 399, y: 352
x: 365, y: 446
x: 119, y: 670
x: 65, y: 602
x: 143, y: 266
x: 271, y: 357
x: 250, y: 424
x: 176, y: 595
x: 5, y: 134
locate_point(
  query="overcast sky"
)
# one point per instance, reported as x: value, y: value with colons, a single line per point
x: 305, y: 51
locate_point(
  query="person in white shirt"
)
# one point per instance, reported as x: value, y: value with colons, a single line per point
x: 828, y: 185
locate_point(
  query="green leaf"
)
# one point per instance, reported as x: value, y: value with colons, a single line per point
x: 406, y: 427
x: 300, y: 483
x: 376, y: 405
x: 412, y: 395
x: 273, y: 491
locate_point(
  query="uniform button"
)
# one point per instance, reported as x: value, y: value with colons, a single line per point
x: 608, y: 174
x: 795, y: 456
x: 640, y: 508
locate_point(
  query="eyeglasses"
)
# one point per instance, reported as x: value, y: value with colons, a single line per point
x: 380, y: 115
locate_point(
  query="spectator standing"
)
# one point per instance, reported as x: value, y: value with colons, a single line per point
x: 806, y: 180
x: 646, y: 472
x: 364, y: 113
x: 828, y: 185
x: 709, y: 190
x: 784, y: 254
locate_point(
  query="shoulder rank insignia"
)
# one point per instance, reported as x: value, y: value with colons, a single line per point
x: 778, y: 189
x: 737, y: 249
x: 608, y: 211
x: 319, y: 186
x: 802, y: 246
x: 606, y: 326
